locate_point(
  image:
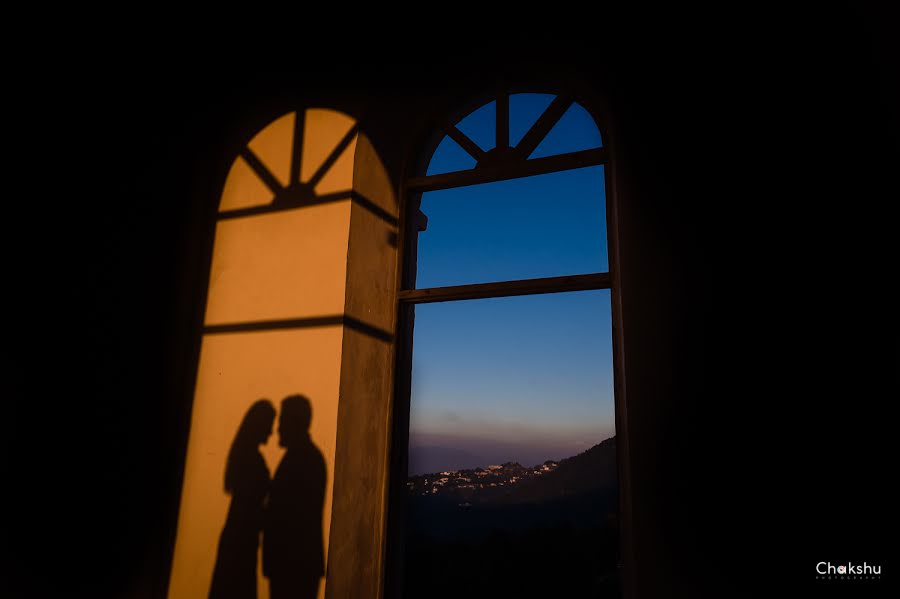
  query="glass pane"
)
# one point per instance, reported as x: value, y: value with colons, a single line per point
x: 512, y: 461
x: 575, y: 131
x: 524, y: 110
x: 481, y: 126
x: 542, y: 226
x: 449, y: 157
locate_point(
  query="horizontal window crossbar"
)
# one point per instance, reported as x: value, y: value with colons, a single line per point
x: 507, y: 288
x: 526, y: 168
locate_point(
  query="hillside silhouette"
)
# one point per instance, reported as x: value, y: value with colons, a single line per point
x: 549, y: 534
x: 588, y: 473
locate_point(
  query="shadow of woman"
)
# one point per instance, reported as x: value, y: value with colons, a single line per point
x: 247, y: 481
x: 293, y: 555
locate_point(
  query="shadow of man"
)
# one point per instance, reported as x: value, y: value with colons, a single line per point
x: 293, y: 558
x: 247, y: 481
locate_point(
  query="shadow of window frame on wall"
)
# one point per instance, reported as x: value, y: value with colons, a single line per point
x: 498, y: 164
x: 347, y: 189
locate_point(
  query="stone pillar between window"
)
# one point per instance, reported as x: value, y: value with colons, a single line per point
x: 366, y: 394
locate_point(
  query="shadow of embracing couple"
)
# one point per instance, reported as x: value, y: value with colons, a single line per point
x: 285, y: 510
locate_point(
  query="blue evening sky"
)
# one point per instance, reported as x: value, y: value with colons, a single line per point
x: 542, y: 226
x: 525, y: 378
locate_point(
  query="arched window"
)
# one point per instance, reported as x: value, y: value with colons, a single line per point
x: 505, y: 478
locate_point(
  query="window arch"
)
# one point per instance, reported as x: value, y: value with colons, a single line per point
x: 509, y: 202
x: 514, y: 128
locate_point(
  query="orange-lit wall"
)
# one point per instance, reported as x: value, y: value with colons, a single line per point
x: 283, y: 265
x: 236, y: 370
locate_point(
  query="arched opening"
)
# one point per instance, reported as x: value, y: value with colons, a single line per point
x: 506, y: 469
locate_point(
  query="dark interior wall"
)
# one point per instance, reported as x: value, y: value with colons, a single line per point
x: 758, y: 246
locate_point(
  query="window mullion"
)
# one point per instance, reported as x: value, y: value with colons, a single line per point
x: 507, y: 288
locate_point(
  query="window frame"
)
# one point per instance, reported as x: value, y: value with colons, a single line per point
x: 412, y: 221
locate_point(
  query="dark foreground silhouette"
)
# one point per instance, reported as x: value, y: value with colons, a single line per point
x: 247, y: 481
x: 552, y: 536
x: 293, y: 556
